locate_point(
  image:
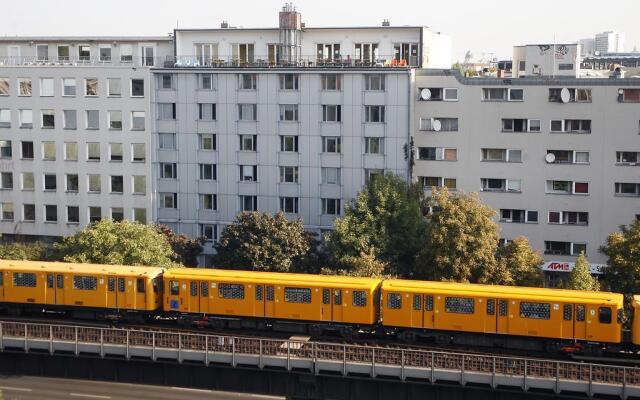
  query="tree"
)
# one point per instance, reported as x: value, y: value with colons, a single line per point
x: 185, y: 250
x: 36, y: 251
x: 263, y: 242
x: 125, y: 242
x: 385, y: 216
x: 366, y: 264
x: 622, y: 274
x: 580, y: 277
x: 519, y: 264
x: 461, y: 239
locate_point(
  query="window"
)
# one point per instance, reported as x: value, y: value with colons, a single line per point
x: 28, y: 182
x: 428, y: 303
x: 394, y: 301
x: 140, y: 286
x: 417, y: 302
x: 63, y: 53
x: 137, y: 87
x: 140, y: 215
x: 168, y: 170
x: 51, y: 213
x: 331, y: 113
x: 374, y: 82
x: 4, y: 87
x: 24, y: 87
x: 114, y: 87
x: 84, y: 52
x: 138, y: 152
x: 331, y: 82
x: 165, y: 81
x: 491, y: 307
x: 208, y: 202
x: 330, y: 206
x: 73, y: 214
x: 6, y: 180
x: 564, y: 248
x: 627, y: 157
x: 85, y: 282
x: 27, y: 150
x: 288, y: 82
x: 46, y: 87
x: 567, y: 187
x: 248, y: 173
x: 289, y: 205
x: 365, y: 53
x: 117, y: 184
x: 71, y: 182
x: 458, y: 305
x: 629, y: 95
x: 247, y: 112
x: 571, y: 126
x: 93, y: 151
x: 167, y: 111
x: 331, y: 144
x: 24, y: 279
x: 535, y: 310
x: 330, y: 176
x: 137, y: 120
x: 627, y: 189
x: 248, y: 203
x: 575, y: 95
x: 569, y: 217
x: 520, y: 125
x: 208, y: 172
x: 91, y: 87
x: 5, y: 149
x: 437, y: 153
x: 117, y: 214
x: 174, y: 288
x: 438, y: 94
x: 115, y: 120
x: 247, y: 81
x: 504, y: 155
x: 115, y: 152
x: 95, y: 215
x: 26, y: 119
x: 70, y: 119
x: 139, y: 184
x: 289, y: 174
x: 230, y: 291
x: 5, y: 118
x: 374, y: 114
x: 373, y: 145
x: 206, y: 111
x: 205, y: 81
x: 168, y: 200
x: 289, y: 143
x: 6, y: 211
x: 580, y: 312
x: 29, y: 212
x: 288, y: 112
x: 500, y: 185
x: 48, y: 119
x: 604, y: 315
x: 71, y: 151
x: 297, y: 295
x: 439, y: 124
x: 126, y: 53
x: 50, y: 182
x: 93, y: 119
x: 502, y: 94
x: 518, y: 216
x: 167, y: 141
x: 209, y: 232
x: 207, y: 141
x: 569, y: 157
x: 94, y: 183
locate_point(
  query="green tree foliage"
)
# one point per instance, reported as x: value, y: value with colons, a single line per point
x: 36, y: 251
x: 365, y: 265
x: 461, y: 239
x: 580, y: 277
x: 125, y: 242
x: 185, y: 250
x: 384, y: 221
x: 623, y: 250
x: 263, y: 242
x: 519, y: 264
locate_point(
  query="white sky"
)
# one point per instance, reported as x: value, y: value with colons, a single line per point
x: 489, y: 26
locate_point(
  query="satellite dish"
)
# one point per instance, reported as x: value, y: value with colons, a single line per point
x: 550, y: 158
x: 436, y: 124
x: 425, y: 94
x: 565, y: 95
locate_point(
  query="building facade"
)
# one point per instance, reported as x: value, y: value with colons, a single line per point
x: 609, y: 42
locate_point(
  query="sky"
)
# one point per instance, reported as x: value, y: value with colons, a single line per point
x: 487, y: 28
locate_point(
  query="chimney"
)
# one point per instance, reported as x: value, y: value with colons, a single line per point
x: 385, y: 22
x: 224, y: 25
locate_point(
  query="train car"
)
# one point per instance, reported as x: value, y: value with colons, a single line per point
x: 502, y: 316
x: 83, y: 290
x: 279, y: 301
x: 635, y: 325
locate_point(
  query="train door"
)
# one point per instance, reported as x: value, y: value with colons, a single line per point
x: 579, y: 324
x: 592, y: 321
x: 121, y: 295
x: 336, y: 313
x: 326, y: 310
x: 141, y: 294
x: 112, y: 294
x: 194, y: 299
x: 259, y: 303
x: 567, y: 321
x: 176, y: 294
x: 204, y: 297
x: 1, y: 286
x: 491, y: 320
x: 51, y: 290
x: 428, y: 320
x: 269, y: 304
x: 502, y: 325
x: 60, y: 289
x: 416, y: 312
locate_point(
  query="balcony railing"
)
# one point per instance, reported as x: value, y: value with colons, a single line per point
x: 301, y: 62
x: 123, y: 61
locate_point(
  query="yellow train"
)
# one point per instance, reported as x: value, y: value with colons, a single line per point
x: 492, y: 316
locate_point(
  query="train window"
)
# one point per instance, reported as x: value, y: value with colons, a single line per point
x: 326, y: 296
x: 503, y: 308
x: 259, y: 290
x: 394, y: 301
x: 111, y: 284
x: 337, y: 297
x: 359, y: 298
x: 579, y: 312
x: 204, y: 289
x: 157, y: 285
x: 270, y: 294
x: 60, y: 281
x: 193, y: 286
x: 297, y: 295
x: 604, y: 315
x: 428, y: 303
x: 567, y: 312
x: 50, y: 281
x: 458, y: 305
x: 24, y: 279
x: 535, y: 310
x: 85, y: 282
x: 121, y: 285
x: 417, y: 302
x: 491, y: 307
x: 231, y: 291
x: 174, y: 288
x: 140, y: 287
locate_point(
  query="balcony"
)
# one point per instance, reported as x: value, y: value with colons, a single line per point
x: 125, y: 61
x: 303, y: 62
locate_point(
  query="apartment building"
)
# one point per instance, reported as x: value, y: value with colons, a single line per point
x: 75, y: 131
x: 557, y: 158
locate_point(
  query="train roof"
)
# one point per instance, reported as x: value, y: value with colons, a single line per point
x: 278, y: 278
x: 59, y: 267
x: 504, y: 292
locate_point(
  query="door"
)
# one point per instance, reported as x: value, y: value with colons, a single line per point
x: 591, y: 321
x: 259, y: 303
x: 141, y: 294
x: 194, y: 299
x: 269, y: 306
x: 112, y: 294
x: 503, y: 316
x: 326, y: 305
x: 204, y: 297
x: 147, y: 56
x: 416, y: 312
x: 567, y: 321
x: 1, y: 286
x: 60, y: 289
x: 121, y: 295
x: 579, y: 324
x: 428, y: 320
x: 176, y: 290
x: 51, y: 290
x: 491, y: 320
x: 337, y: 305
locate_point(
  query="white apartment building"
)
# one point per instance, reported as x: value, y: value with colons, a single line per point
x: 557, y: 59
x: 557, y: 158
x: 609, y: 42
x: 75, y: 131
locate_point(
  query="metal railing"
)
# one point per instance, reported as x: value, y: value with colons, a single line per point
x: 301, y: 62
x: 123, y: 61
